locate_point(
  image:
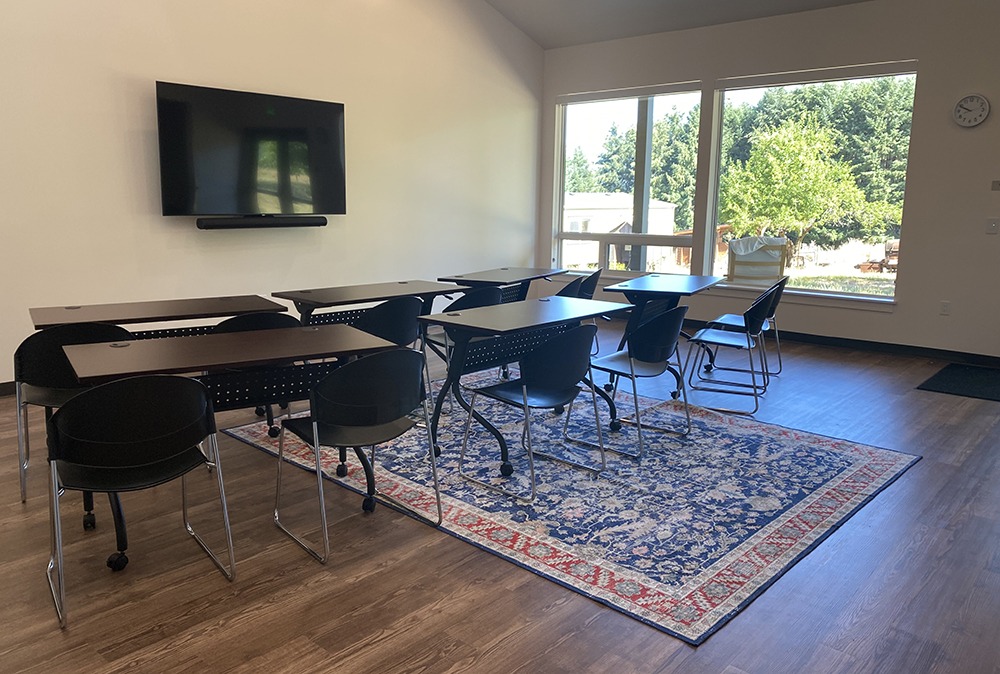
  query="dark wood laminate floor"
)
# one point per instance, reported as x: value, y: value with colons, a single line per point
x: 909, y: 584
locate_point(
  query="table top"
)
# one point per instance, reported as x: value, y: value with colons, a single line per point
x: 123, y: 313
x: 666, y: 284
x: 200, y: 353
x: 503, y: 275
x: 370, y: 292
x: 511, y: 317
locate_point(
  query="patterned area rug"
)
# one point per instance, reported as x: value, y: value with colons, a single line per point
x: 682, y: 540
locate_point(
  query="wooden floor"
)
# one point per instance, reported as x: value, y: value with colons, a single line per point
x: 909, y: 584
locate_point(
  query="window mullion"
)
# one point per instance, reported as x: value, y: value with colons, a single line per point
x: 640, y: 189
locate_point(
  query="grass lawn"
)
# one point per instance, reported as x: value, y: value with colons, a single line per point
x: 868, y: 284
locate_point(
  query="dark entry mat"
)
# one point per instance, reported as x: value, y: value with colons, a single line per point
x: 970, y: 381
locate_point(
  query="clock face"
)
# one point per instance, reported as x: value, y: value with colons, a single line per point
x: 971, y: 110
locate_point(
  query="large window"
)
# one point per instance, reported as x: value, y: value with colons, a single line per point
x: 629, y: 183
x: 822, y: 164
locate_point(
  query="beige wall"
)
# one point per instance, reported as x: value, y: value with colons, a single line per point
x: 946, y: 253
x: 442, y: 112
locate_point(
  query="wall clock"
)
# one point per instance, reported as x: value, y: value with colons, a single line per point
x: 971, y: 110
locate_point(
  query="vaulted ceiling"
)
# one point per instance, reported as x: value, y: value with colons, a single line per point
x: 564, y: 23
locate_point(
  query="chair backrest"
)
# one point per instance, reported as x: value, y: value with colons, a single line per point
x: 560, y: 362
x: 759, y: 311
x: 477, y: 297
x: 132, y: 423
x: 394, y: 320
x: 571, y: 289
x: 655, y: 340
x: 757, y: 260
x: 259, y: 320
x: 376, y: 389
x: 589, y: 285
x: 40, y: 360
x: 779, y: 289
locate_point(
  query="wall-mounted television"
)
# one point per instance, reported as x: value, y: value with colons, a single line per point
x: 249, y: 159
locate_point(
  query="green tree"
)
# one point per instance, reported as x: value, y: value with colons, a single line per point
x: 579, y: 177
x: 674, y: 163
x: 616, y: 163
x: 791, y: 184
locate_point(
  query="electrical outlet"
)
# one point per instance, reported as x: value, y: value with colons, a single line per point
x: 993, y: 226
x: 995, y: 186
x: 945, y: 308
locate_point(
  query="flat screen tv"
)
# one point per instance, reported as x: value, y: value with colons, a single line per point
x: 249, y: 159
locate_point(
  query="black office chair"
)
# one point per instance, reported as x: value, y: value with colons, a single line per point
x: 394, y: 320
x: 710, y: 340
x: 43, y: 377
x: 364, y: 403
x: 571, y: 289
x: 647, y: 353
x: 589, y: 285
x: 128, y: 435
x: 735, y: 322
x: 262, y: 320
x: 550, y: 377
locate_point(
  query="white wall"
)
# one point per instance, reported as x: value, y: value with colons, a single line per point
x: 442, y: 107
x: 946, y: 253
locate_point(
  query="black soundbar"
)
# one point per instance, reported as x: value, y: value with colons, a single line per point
x: 249, y: 221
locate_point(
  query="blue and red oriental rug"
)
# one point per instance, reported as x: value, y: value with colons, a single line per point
x: 682, y: 540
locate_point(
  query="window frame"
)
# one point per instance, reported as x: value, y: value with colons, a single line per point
x: 702, y: 241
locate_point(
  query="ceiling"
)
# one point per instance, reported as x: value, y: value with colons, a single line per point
x: 564, y: 23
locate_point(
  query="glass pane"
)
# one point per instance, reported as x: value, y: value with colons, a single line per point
x: 823, y: 165
x: 674, y: 163
x: 579, y: 254
x: 649, y: 259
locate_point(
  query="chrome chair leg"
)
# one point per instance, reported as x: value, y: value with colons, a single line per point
x: 531, y: 460
x: 325, y: 555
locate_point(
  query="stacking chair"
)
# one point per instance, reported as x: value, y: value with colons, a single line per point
x: 263, y: 320
x: 711, y: 340
x: 362, y: 404
x: 571, y: 289
x: 648, y: 351
x: 735, y: 322
x: 438, y: 340
x: 43, y: 377
x: 394, y: 320
x: 589, y: 285
x: 128, y: 435
x: 550, y: 376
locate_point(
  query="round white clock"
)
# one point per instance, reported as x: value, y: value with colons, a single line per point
x: 971, y: 110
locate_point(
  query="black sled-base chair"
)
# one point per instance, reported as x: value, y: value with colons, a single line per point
x: 364, y: 403
x: 550, y: 377
x: 649, y: 350
x: 709, y: 342
x: 128, y: 435
x: 261, y: 320
x: 735, y: 322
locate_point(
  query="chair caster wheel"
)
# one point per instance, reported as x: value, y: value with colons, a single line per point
x: 117, y: 561
x: 437, y: 451
x: 283, y: 406
x: 708, y: 367
x: 368, y: 505
x: 558, y: 410
x: 506, y: 469
x: 615, y: 425
x: 89, y: 522
x: 259, y: 411
x: 341, y: 470
x: 609, y: 387
x: 674, y: 395
x: 273, y: 432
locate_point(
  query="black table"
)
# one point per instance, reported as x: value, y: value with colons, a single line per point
x: 153, y: 311
x: 307, y: 301
x: 519, y: 277
x: 666, y: 289
x: 512, y: 329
